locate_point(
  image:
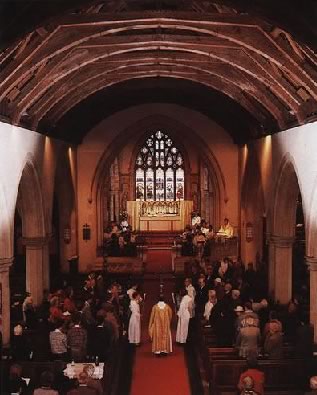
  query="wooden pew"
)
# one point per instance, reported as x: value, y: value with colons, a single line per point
x: 287, y: 375
x: 223, y: 367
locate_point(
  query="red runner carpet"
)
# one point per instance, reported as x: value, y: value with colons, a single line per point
x: 163, y: 375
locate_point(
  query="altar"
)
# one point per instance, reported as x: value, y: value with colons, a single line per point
x: 151, y: 216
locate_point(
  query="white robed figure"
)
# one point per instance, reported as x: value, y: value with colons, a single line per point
x: 184, y: 314
x: 134, y: 331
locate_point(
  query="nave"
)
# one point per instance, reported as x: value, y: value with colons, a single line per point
x: 188, y: 124
x: 164, y: 375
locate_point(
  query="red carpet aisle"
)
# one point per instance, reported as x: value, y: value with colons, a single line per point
x: 163, y: 375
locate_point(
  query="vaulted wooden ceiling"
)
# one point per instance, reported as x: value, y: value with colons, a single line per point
x: 77, y: 66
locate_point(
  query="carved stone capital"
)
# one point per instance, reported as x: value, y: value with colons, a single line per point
x: 282, y: 241
x: 311, y: 262
x: 5, y: 264
x: 35, y: 242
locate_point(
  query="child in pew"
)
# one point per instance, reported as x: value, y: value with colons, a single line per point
x: 313, y: 386
x: 255, y: 374
x: 248, y: 384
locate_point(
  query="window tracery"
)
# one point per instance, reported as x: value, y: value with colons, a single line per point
x: 159, y: 170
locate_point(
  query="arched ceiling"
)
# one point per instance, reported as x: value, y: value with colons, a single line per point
x: 80, y: 65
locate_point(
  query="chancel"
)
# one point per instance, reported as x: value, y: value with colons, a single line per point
x: 158, y: 156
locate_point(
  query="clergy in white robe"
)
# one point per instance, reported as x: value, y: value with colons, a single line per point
x: 184, y: 315
x: 134, y: 331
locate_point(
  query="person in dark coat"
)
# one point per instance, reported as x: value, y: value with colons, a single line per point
x: 102, y: 339
x: 222, y: 319
x: 201, y: 297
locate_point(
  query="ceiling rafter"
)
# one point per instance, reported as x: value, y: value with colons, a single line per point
x: 103, y: 52
x: 258, y: 66
x: 224, y: 71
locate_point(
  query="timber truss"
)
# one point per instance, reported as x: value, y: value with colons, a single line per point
x: 57, y: 66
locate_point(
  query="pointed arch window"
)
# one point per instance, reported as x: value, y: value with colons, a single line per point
x: 159, y: 170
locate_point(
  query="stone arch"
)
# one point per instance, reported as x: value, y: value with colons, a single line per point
x: 252, y: 208
x: 175, y: 130
x: 282, y: 230
x: 285, y: 197
x: 30, y: 193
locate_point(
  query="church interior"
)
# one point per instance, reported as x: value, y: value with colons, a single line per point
x: 165, y: 147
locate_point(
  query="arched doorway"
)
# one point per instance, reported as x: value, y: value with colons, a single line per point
x: 287, y: 211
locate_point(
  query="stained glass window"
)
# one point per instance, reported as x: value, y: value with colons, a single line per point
x: 159, y: 170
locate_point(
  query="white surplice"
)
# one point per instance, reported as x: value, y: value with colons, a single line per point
x: 134, y: 332
x: 184, y: 314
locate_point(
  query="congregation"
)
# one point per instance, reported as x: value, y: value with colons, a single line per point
x: 225, y: 297
x: 85, y: 327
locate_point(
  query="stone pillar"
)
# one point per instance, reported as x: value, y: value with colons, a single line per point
x: 5, y: 264
x: 46, y: 264
x: 312, y: 265
x: 271, y: 272
x: 35, y: 252
x: 281, y: 255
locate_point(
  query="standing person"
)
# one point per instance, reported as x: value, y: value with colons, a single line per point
x: 134, y: 331
x: 184, y: 315
x: 77, y: 340
x: 160, y: 328
x: 58, y: 342
x: 201, y: 297
x: 248, y: 338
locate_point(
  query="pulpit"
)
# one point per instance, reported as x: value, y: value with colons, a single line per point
x: 159, y: 216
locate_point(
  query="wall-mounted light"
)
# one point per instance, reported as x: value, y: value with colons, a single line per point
x: 249, y: 232
x: 86, y: 232
x: 67, y: 234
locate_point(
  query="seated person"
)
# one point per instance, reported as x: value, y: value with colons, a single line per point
x: 199, y: 238
x: 83, y: 387
x: 226, y: 230
x: 313, y: 386
x: 46, y: 381
x: 210, y: 234
x: 124, y: 225
x: 204, y: 227
x: 14, y: 384
x: 196, y: 220
x: 248, y: 386
x: 256, y: 375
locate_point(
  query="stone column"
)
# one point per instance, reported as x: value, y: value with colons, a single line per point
x: 281, y: 255
x: 35, y: 252
x: 312, y: 265
x: 46, y: 264
x: 5, y: 264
